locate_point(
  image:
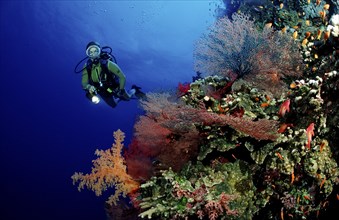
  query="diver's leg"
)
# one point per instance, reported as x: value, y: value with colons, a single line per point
x: 110, y: 100
x: 131, y: 92
x: 126, y: 96
x: 138, y: 93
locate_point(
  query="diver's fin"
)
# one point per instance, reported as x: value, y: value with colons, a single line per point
x: 138, y: 93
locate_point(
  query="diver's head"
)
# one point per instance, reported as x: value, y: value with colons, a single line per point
x: 93, y: 50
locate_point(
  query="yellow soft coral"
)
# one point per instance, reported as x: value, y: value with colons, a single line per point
x: 109, y: 171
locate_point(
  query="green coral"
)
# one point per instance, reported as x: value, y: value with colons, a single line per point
x: 217, y: 140
x: 288, y: 18
x: 186, y: 194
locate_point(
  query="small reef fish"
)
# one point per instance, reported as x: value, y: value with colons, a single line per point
x: 295, y: 35
x: 279, y: 156
x: 283, y: 127
x: 293, y: 85
x: 309, y: 134
x: 304, y: 42
x: 322, y: 182
x: 327, y: 35
x: 264, y: 105
x: 319, y: 33
x: 307, y: 197
x: 268, y: 25
x: 285, y: 107
x: 323, y: 144
x: 322, y: 15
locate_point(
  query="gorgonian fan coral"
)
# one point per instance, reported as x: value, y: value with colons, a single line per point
x: 238, y: 46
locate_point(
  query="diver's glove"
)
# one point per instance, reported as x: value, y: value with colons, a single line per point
x: 122, y: 94
x: 92, y: 90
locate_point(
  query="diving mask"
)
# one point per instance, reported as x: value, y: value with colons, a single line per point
x: 93, y: 51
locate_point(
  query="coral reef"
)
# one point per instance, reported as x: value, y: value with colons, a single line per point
x: 294, y: 169
x: 255, y: 134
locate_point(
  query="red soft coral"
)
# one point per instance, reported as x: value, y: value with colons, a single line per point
x: 183, y: 88
x: 167, y: 132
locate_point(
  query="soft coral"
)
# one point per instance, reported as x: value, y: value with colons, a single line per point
x: 183, y: 88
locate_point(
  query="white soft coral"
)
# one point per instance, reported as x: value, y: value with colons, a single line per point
x: 334, y: 25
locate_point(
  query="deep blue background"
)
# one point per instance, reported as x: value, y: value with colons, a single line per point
x: 49, y: 130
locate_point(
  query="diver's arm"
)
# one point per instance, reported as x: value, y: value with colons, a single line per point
x: 85, y: 81
x: 115, y: 69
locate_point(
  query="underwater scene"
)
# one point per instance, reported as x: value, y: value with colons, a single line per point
x: 222, y: 109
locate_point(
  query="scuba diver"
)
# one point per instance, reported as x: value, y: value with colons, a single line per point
x: 102, y: 76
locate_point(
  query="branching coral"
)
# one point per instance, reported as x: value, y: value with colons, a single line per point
x: 109, y: 171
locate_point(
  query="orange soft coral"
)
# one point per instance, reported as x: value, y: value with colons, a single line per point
x: 109, y: 170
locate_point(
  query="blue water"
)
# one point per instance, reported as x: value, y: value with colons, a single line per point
x: 49, y: 130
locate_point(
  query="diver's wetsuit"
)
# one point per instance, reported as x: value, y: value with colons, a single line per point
x: 107, y: 84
